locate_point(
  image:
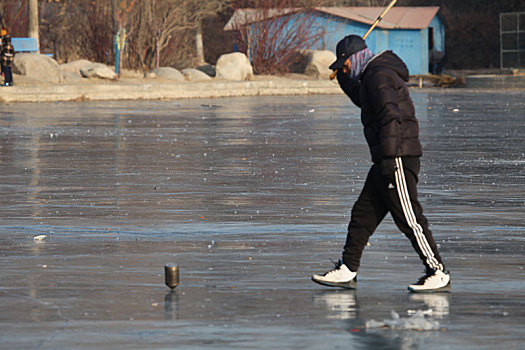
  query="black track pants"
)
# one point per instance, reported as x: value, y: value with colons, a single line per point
x: 379, y: 197
x: 8, y: 74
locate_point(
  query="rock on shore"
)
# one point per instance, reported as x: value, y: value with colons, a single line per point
x: 314, y: 63
x: 39, y: 78
x: 318, y: 63
x: 98, y: 70
x: 234, y: 66
x: 195, y: 75
x: 39, y: 67
x: 169, y: 73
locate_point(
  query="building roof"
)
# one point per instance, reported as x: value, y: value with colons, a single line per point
x: 246, y: 16
x: 402, y: 17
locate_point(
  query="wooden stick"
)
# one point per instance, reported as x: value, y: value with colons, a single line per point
x: 379, y: 18
x: 376, y: 22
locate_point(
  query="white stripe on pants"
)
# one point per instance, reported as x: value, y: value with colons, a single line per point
x: 406, y: 206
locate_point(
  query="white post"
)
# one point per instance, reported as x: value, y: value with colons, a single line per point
x: 33, y: 22
x: 199, y: 43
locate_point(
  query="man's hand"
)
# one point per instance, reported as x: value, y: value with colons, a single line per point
x: 388, y: 167
x: 349, y: 86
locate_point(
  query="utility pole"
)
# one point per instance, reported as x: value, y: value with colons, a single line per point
x: 33, y: 21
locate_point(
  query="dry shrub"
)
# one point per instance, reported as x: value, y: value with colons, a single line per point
x: 273, y: 32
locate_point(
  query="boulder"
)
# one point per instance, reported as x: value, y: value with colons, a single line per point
x: 317, y: 63
x: 38, y: 67
x: 169, y: 73
x: 208, y: 69
x: 314, y: 63
x: 195, y: 75
x: 299, y: 61
x: 150, y: 75
x: 234, y: 66
x: 71, y: 76
x: 75, y: 67
x: 98, y: 70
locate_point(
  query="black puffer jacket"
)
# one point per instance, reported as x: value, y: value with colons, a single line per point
x: 387, y: 111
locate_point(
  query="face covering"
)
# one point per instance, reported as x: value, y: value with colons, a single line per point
x: 358, y: 61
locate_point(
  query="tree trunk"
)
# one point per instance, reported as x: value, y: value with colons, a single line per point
x: 199, y: 44
x: 33, y: 21
x: 157, y: 51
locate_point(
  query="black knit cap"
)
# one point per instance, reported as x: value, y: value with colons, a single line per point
x: 347, y: 47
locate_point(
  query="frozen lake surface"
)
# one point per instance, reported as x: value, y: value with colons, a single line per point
x: 250, y: 196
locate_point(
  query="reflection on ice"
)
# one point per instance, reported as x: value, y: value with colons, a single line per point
x: 416, y: 322
x: 341, y: 304
x: 438, y: 304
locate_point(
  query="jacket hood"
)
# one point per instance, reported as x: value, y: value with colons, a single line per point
x: 389, y: 60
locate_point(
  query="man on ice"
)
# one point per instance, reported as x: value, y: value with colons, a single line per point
x: 377, y: 84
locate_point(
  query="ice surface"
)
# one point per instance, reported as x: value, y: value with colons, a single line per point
x: 118, y: 200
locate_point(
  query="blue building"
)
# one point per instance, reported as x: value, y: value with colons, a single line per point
x: 408, y: 31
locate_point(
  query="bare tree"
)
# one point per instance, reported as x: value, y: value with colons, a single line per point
x: 81, y: 29
x: 201, y: 10
x: 273, y: 32
x: 154, y: 24
x: 13, y: 17
x: 161, y: 23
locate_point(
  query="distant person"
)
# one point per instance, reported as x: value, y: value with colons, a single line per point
x: 7, y: 56
x: 3, y: 32
x: 378, y: 85
x: 437, y: 60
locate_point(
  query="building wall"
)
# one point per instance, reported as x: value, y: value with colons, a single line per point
x: 412, y: 47
x: 439, y: 33
x: 410, y: 44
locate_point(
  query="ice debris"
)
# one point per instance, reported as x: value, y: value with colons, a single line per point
x: 39, y: 238
x: 416, y: 322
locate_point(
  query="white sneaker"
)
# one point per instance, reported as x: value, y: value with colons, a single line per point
x: 340, y: 276
x: 434, y: 281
